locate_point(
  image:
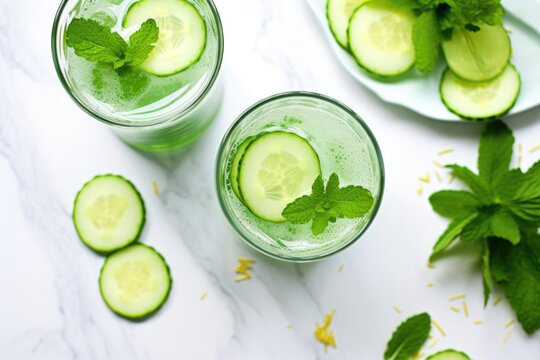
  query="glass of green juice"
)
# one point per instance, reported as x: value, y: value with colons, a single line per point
x: 275, y: 153
x: 169, y: 99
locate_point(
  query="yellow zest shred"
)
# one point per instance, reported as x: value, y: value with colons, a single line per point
x: 203, y: 295
x: 509, y: 323
x: 507, y: 336
x: 341, y: 267
x: 397, y: 309
x: 155, y: 188
x: 519, y: 160
x: 477, y: 322
x: 439, y: 327
x: 430, y: 284
x: 455, y: 309
x: 243, y: 268
x: 457, y: 297
x: 534, y: 148
x: 420, y: 190
x: 433, y: 342
x: 465, y: 308
x: 426, y: 178
x: 445, y: 151
x: 438, y: 176
x: 323, y: 334
x: 497, y: 300
x: 437, y: 164
x: 289, y: 326
x: 452, y: 178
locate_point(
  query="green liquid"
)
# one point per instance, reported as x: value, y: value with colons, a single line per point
x: 343, y: 147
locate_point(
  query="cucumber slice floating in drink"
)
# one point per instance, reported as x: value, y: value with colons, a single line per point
x: 182, y: 34
x: 235, y: 164
x: 276, y: 168
x: 380, y: 39
x: 135, y: 281
x: 481, y: 100
x: 339, y: 13
x: 108, y: 213
x: 478, y: 56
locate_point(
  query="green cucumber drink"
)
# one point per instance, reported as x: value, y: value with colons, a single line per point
x: 148, y: 68
x: 299, y: 176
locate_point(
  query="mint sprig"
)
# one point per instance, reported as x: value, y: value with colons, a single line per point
x: 98, y: 43
x: 326, y: 205
x: 501, y: 211
x: 408, y: 338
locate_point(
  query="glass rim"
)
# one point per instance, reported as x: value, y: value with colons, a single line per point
x: 180, y: 112
x: 284, y: 95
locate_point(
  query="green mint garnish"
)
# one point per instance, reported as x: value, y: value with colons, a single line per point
x: 408, y: 338
x: 327, y: 205
x: 97, y: 43
x: 502, y: 212
x: 427, y: 41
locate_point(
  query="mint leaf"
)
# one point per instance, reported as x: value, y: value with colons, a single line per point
x: 451, y: 233
x: 487, y: 279
x: 477, y: 229
x: 142, y: 42
x: 319, y: 224
x: 505, y: 227
x: 477, y: 185
x: 453, y: 203
x: 498, y: 262
x: 526, y: 200
x: 509, y: 184
x: 327, y: 205
x: 301, y: 210
x: 495, y: 152
x: 427, y: 41
x: 408, y: 338
x: 132, y: 83
x: 95, y: 42
x: 523, y: 289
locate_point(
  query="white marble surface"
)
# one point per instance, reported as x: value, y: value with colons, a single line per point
x: 50, y: 307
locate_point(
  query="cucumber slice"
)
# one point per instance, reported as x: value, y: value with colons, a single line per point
x: 135, y: 281
x: 380, y: 39
x: 481, y: 101
x: 276, y: 168
x: 449, y: 355
x: 108, y: 213
x: 182, y: 34
x: 478, y: 56
x: 338, y: 13
x: 235, y: 164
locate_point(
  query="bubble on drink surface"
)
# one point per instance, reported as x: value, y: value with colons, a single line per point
x: 104, y: 18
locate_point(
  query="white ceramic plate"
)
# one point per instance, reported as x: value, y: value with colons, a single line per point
x: 421, y: 93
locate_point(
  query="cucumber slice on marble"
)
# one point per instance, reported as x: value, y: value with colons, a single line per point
x: 481, y: 100
x: 478, y: 56
x: 182, y: 34
x: 338, y: 13
x: 108, y: 213
x: 449, y: 355
x: 380, y: 39
x: 276, y: 168
x: 135, y: 282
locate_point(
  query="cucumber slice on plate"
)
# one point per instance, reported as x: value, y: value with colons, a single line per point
x: 233, y: 175
x: 380, y: 39
x: 478, y: 56
x: 135, y: 281
x: 182, y: 34
x: 108, y: 213
x: 276, y: 168
x: 449, y: 355
x: 484, y: 100
x: 338, y: 13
